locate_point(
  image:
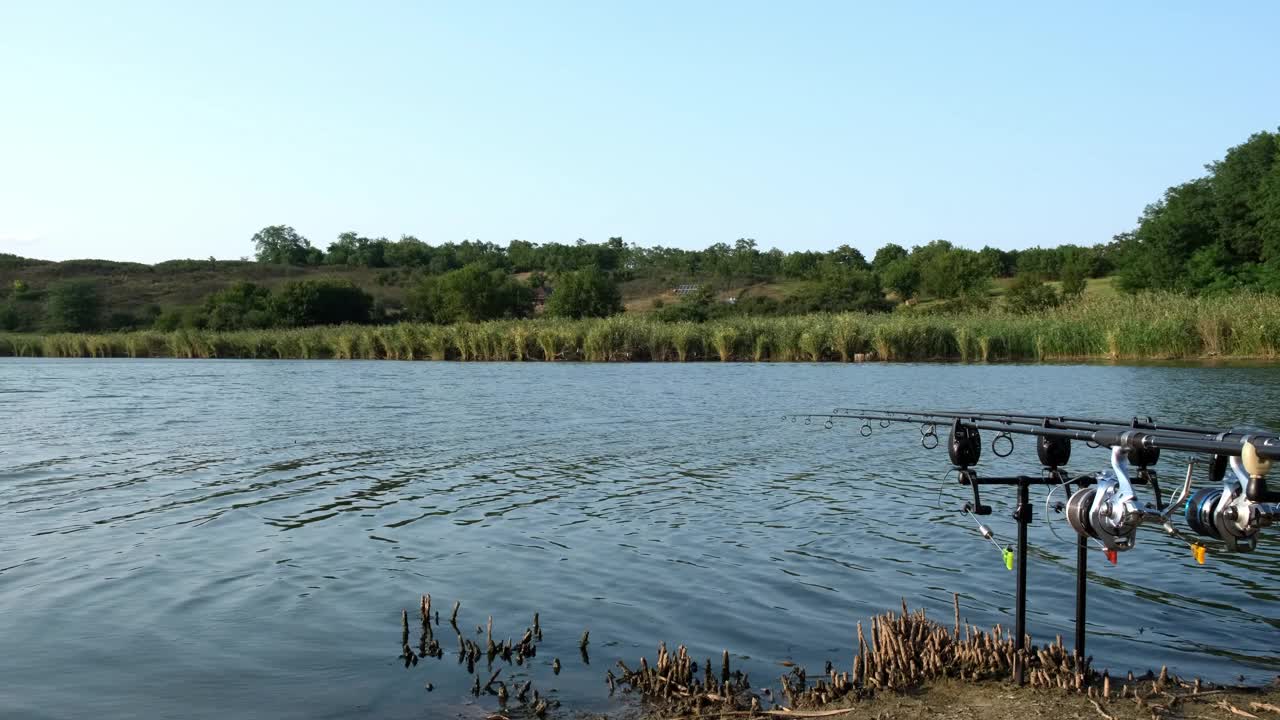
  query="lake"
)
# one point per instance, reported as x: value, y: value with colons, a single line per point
x: 212, y: 539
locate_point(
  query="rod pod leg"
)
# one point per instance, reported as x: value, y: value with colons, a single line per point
x: 1082, y: 569
x: 1023, y: 514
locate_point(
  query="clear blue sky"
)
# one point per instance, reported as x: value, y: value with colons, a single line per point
x: 156, y: 130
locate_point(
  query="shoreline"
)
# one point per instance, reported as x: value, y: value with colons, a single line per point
x: 1123, y: 330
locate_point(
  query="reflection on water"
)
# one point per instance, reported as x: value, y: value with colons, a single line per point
x: 232, y: 538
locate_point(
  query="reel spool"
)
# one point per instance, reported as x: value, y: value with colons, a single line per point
x: 1077, y: 511
x: 1199, y: 513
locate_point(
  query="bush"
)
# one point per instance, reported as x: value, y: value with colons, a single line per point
x: 242, y: 306
x: 584, y: 293
x: 1029, y: 294
x: 325, y: 301
x: 470, y: 294
x: 73, y: 306
x: 1074, y: 281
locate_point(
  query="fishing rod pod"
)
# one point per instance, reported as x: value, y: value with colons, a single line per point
x: 1108, y: 511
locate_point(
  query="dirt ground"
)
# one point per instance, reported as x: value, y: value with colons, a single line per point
x: 957, y: 700
x: 994, y: 701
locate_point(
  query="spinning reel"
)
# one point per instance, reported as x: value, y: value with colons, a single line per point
x: 1229, y: 513
x: 1108, y: 511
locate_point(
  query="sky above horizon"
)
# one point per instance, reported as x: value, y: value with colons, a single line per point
x: 150, y: 131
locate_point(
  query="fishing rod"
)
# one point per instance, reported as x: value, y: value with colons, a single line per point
x: 1149, y: 423
x: 1104, y: 507
x: 1264, y: 445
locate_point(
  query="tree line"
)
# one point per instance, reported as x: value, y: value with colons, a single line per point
x: 1217, y: 233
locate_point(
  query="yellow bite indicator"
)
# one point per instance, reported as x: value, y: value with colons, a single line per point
x: 1198, y: 551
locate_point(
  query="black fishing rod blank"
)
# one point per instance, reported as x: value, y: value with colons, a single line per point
x: 1149, y: 423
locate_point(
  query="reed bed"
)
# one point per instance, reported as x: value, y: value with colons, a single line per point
x: 1146, y: 327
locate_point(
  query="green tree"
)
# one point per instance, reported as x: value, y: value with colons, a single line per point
x: 242, y: 305
x: 584, y: 293
x: 1074, y: 280
x: 887, y: 255
x: 73, y: 306
x: 470, y: 294
x: 840, y: 289
x: 1029, y: 293
x: 282, y: 245
x: 326, y: 301
x: 954, y: 272
x: 902, y: 277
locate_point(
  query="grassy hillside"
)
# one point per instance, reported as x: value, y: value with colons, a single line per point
x: 131, y: 287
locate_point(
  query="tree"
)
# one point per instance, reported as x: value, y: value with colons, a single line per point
x: 902, y: 277
x: 73, y: 306
x: 954, y: 272
x: 1074, y: 280
x: 840, y: 289
x: 886, y: 255
x: 324, y: 301
x: 849, y: 256
x: 1029, y: 293
x: 241, y: 306
x: 282, y: 245
x: 584, y: 293
x: 470, y: 294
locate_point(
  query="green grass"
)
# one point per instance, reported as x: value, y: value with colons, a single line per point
x: 1104, y: 325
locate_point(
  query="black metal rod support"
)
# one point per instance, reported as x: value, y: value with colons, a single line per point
x: 1082, y: 569
x: 1020, y: 599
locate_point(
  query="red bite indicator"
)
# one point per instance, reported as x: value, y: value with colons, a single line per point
x: 1111, y: 555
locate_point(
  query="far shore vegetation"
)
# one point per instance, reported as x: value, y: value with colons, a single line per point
x: 1117, y: 327
x: 1198, y: 277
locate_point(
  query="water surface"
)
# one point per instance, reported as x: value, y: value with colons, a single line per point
x: 207, y: 539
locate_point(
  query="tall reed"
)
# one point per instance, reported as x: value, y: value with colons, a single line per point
x: 1144, y: 327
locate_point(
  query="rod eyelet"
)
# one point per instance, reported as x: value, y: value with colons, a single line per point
x: 996, y: 448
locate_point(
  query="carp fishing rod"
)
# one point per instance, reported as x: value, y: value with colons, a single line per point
x: 1104, y: 507
x: 1148, y: 423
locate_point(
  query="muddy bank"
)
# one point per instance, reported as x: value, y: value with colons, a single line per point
x: 906, y: 665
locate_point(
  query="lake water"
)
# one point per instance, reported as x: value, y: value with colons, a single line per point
x: 213, y: 539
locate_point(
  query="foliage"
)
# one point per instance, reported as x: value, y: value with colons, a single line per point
x: 1029, y: 294
x: 326, y: 301
x: 283, y: 245
x: 72, y: 306
x: 840, y: 289
x: 1142, y: 326
x: 1213, y: 233
x: 584, y: 293
x: 902, y: 277
x: 470, y: 294
x: 242, y: 306
x: 950, y: 272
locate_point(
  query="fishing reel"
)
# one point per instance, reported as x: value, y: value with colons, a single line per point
x: 1229, y: 513
x: 1107, y: 511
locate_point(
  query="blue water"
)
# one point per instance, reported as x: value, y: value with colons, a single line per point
x: 204, y: 539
